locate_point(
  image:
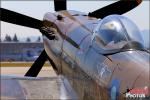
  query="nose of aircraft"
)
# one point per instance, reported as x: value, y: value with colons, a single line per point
x: 132, y: 69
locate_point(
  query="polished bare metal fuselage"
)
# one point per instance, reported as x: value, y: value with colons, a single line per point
x: 93, y: 75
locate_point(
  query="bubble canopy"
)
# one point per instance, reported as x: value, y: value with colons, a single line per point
x: 115, y: 31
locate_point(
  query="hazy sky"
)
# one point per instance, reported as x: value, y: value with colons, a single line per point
x: 37, y: 9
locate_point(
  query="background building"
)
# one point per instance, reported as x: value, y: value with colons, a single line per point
x: 16, y: 51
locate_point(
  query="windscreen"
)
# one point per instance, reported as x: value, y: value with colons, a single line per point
x: 115, y: 31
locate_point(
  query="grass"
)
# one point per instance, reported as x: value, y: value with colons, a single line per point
x: 19, y: 64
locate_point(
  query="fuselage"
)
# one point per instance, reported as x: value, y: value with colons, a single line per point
x: 92, y: 75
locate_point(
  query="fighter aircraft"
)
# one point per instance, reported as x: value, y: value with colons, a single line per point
x: 100, y: 54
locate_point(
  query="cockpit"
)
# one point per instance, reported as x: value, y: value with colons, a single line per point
x: 115, y: 32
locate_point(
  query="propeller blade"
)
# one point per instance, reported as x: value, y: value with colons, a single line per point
x: 37, y: 65
x: 19, y: 19
x: 119, y: 7
x: 60, y: 5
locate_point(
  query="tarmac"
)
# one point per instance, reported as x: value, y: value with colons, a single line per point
x: 46, y: 71
x: 46, y: 86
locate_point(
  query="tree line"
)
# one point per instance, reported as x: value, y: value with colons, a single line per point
x: 8, y: 38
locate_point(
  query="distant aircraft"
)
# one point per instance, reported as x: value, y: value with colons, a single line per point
x: 100, y: 54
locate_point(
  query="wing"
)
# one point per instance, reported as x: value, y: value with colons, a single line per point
x: 19, y: 88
